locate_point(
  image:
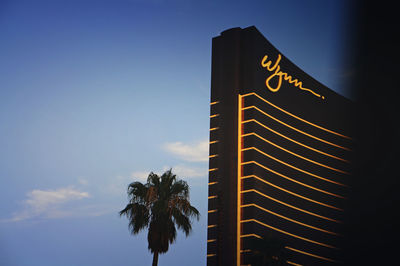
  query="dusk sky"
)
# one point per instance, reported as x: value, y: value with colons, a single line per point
x: 96, y: 94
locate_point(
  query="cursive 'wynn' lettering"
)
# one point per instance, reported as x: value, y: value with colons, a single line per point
x: 278, y: 74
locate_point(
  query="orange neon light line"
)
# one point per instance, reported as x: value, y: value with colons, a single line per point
x: 213, y: 169
x: 250, y: 235
x: 299, y: 118
x: 296, y: 168
x: 293, y: 249
x: 289, y: 219
x: 212, y: 116
x: 212, y: 183
x: 214, y: 128
x: 239, y: 181
x: 212, y: 156
x: 211, y: 240
x: 211, y: 255
x: 212, y: 197
x: 310, y: 254
x: 212, y: 103
x: 294, y: 141
x: 295, y: 181
x: 295, y: 154
x: 214, y: 141
x: 298, y: 195
x: 296, y: 129
x: 293, y: 263
x: 289, y: 234
x: 212, y: 226
x: 284, y: 203
x: 211, y: 211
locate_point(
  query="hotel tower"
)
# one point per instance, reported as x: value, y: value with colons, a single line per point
x: 280, y: 156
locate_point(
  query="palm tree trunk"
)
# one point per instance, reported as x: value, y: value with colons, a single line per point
x: 155, y: 258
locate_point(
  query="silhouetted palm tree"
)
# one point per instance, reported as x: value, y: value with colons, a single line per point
x: 159, y: 205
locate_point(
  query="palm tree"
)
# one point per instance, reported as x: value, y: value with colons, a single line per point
x: 159, y: 205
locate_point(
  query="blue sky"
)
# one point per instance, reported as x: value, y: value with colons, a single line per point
x: 96, y: 94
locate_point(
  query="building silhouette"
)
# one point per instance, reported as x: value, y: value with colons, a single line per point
x: 280, y: 159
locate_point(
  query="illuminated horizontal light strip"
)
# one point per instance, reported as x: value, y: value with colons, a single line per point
x: 294, y: 167
x: 213, y: 169
x: 211, y: 255
x: 212, y: 183
x: 284, y: 203
x: 212, y: 156
x: 294, y: 141
x: 299, y: 118
x: 293, y: 249
x: 295, y: 154
x: 211, y: 211
x: 214, y: 128
x: 295, y: 181
x: 211, y: 240
x: 249, y: 250
x: 249, y: 235
x: 295, y: 129
x: 212, y: 226
x: 214, y: 141
x: 293, y: 263
x: 310, y: 254
x: 212, y: 103
x: 212, y: 197
x: 212, y: 116
x: 287, y: 233
x: 289, y: 219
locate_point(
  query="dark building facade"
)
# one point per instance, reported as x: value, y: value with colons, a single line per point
x: 280, y: 159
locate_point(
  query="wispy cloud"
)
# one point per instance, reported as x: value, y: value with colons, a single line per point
x: 185, y: 171
x: 48, y: 204
x: 197, y: 152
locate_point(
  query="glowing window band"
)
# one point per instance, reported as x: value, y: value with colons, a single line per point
x: 212, y: 183
x: 212, y: 103
x: 293, y: 263
x: 289, y: 219
x: 295, y: 129
x: 279, y: 74
x: 284, y: 203
x: 294, y: 141
x: 295, y: 154
x: 213, y: 169
x: 294, y: 167
x: 214, y: 128
x: 213, y: 116
x: 295, y: 181
x: 310, y: 254
x: 295, y: 250
x: 287, y: 233
x: 212, y: 211
x: 294, y: 116
x: 214, y: 141
x: 212, y: 197
x: 292, y: 193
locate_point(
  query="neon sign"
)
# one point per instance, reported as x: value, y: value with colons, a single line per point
x: 279, y: 74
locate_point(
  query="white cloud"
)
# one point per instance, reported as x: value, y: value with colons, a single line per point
x: 48, y: 204
x: 140, y: 176
x: 184, y: 171
x: 197, y: 152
